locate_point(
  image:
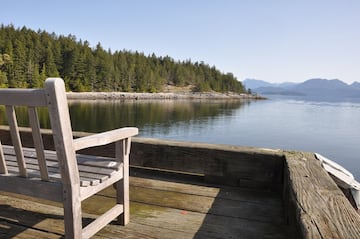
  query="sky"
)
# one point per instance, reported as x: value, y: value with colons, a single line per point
x: 271, y: 40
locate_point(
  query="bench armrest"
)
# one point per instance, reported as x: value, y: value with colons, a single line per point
x: 105, y: 138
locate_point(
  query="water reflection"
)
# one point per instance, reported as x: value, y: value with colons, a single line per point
x: 23, y: 118
x: 97, y: 116
x: 152, y: 116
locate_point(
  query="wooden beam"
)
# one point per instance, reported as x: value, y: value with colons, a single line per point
x: 315, y: 205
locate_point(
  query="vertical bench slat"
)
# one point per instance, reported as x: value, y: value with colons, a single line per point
x: 122, y: 151
x: 15, y: 137
x: 38, y: 143
x: 3, y: 168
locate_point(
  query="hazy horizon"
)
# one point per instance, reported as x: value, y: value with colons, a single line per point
x: 284, y: 82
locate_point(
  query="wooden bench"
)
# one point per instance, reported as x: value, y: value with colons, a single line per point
x: 63, y: 175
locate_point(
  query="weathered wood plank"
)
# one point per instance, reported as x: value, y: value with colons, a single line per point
x: 16, y: 141
x: 86, y: 163
x: 3, y: 168
x: 105, y: 138
x: 42, y: 217
x: 9, y: 230
x: 88, y: 175
x: 215, y: 206
x: 23, y: 97
x: 267, y: 208
x: 222, y: 164
x: 231, y: 165
x: 38, y: 142
x: 31, y: 187
x: 319, y: 207
x: 175, y: 223
x: 33, y: 172
x: 201, y: 189
x: 162, y: 218
x: 63, y: 141
x: 122, y: 152
x: 102, y: 221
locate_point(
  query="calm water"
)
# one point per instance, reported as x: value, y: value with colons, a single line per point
x: 332, y: 129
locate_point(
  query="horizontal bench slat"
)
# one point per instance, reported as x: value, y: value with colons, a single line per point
x: 97, y: 173
x: 32, y: 173
x: 23, y: 97
x: 85, y: 175
x: 89, y: 172
x: 85, y: 180
x: 95, y: 161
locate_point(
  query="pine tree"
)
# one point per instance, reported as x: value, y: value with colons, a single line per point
x: 43, y: 76
x: 37, y: 55
x: 18, y: 78
x: 51, y: 69
x: 36, y: 80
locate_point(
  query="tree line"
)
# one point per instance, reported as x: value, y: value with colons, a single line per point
x: 28, y: 57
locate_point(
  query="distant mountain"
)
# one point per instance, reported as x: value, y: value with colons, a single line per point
x: 272, y: 90
x: 355, y: 85
x: 313, y: 88
x: 286, y: 85
x: 321, y: 84
x: 253, y: 83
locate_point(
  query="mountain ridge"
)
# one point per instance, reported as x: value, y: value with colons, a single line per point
x: 324, y: 88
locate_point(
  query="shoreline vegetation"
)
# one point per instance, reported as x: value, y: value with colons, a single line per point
x: 28, y: 57
x: 161, y: 96
x: 169, y: 92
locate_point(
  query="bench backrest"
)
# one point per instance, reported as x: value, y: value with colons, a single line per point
x: 53, y: 96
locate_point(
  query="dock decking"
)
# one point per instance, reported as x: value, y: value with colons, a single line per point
x: 194, y: 190
x: 160, y: 208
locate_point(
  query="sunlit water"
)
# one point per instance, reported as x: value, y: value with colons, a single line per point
x: 332, y: 129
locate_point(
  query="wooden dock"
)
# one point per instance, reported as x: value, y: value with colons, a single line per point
x: 159, y: 209
x: 192, y: 190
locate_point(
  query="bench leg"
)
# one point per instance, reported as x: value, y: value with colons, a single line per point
x: 122, y: 186
x: 72, y: 217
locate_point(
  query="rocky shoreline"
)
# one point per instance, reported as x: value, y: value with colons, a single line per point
x: 158, y: 96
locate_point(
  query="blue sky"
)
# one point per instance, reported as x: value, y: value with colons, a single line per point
x: 276, y: 41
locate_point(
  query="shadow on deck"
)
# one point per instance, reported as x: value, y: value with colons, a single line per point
x: 161, y: 207
x: 192, y: 190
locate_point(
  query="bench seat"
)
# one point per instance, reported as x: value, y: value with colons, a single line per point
x: 93, y: 170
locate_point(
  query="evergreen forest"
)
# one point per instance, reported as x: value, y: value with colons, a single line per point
x: 28, y: 57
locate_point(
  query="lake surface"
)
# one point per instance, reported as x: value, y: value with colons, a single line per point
x: 329, y: 128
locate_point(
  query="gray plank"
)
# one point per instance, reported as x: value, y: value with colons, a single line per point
x: 155, y: 218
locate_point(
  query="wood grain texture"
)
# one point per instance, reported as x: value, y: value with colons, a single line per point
x: 38, y: 142
x: 231, y: 165
x: 163, y: 216
x: 16, y: 140
x: 3, y: 168
x: 23, y: 97
x: 223, y: 164
x: 105, y: 138
x: 320, y: 209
